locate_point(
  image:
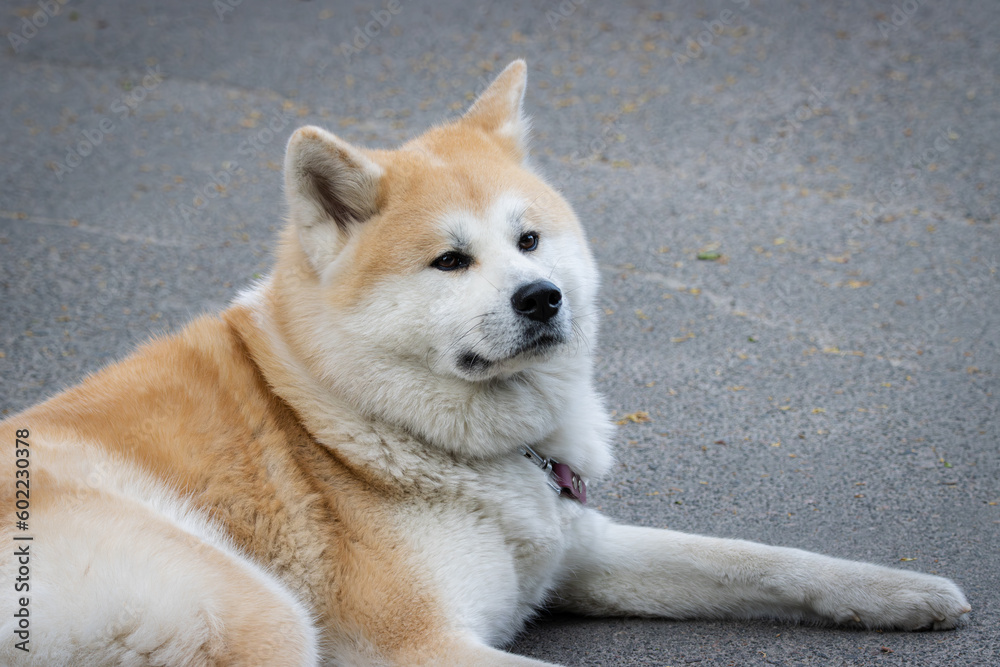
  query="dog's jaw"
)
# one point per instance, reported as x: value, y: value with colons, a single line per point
x: 533, y: 347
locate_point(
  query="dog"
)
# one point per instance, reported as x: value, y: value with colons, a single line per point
x: 379, y: 453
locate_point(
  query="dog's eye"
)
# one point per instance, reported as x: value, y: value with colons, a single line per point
x: 528, y: 242
x: 451, y: 261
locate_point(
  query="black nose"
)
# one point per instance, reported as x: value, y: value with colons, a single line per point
x: 537, y: 301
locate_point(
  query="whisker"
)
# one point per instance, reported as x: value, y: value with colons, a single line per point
x: 588, y: 313
x: 473, y: 325
x: 553, y: 269
x: 489, y: 282
x: 581, y: 337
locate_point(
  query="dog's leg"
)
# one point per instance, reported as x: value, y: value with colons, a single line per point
x: 114, y: 581
x: 618, y: 569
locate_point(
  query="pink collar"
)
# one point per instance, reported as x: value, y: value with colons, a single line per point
x: 561, y: 478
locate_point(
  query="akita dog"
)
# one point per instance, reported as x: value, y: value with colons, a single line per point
x: 379, y: 454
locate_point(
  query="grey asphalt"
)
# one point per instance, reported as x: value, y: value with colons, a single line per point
x: 827, y: 382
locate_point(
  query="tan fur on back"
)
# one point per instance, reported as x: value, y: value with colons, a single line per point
x: 194, y: 412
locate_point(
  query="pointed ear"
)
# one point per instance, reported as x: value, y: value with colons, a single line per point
x: 330, y: 186
x: 498, y: 109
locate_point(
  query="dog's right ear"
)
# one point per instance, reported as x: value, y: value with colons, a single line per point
x: 330, y: 186
x: 500, y: 109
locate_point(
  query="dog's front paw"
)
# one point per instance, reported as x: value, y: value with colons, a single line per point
x: 878, y: 597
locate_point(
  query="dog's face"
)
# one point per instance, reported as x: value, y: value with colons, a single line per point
x: 438, y: 267
x: 487, y: 287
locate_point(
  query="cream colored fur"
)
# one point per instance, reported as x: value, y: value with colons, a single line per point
x: 329, y: 471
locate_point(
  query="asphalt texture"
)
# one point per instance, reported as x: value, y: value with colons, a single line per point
x: 825, y: 377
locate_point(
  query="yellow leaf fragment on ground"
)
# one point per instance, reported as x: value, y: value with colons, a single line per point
x: 638, y: 417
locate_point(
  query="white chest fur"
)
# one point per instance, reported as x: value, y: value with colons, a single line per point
x: 492, y: 544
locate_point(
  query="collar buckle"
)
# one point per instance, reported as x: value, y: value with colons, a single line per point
x: 560, y: 477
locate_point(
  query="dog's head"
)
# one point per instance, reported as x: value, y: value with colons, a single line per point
x: 446, y: 270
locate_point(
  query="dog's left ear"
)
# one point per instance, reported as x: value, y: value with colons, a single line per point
x: 498, y: 110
